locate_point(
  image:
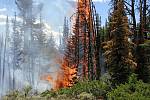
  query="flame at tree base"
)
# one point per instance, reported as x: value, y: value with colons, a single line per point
x: 65, y: 76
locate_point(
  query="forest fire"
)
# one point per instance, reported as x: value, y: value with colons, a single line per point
x: 65, y: 76
x: 85, y: 31
x: 74, y: 49
x: 83, y: 38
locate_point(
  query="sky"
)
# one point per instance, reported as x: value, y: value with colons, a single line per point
x: 53, y: 12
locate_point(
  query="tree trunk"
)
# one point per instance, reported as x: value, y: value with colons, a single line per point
x: 134, y: 19
x: 98, y: 67
x: 140, y: 37
x: 144, y: 18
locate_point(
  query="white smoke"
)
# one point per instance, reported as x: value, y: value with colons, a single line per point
x: 94, y: 0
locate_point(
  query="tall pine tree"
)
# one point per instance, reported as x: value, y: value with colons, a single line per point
x: 118, y: 52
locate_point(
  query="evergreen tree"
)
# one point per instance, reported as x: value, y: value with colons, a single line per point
x: 16, y: 49
x: 118, y: 54
x: 65, y: 33
x: 64, y: 37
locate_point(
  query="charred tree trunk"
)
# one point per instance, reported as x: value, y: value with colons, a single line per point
x: 98, y: 44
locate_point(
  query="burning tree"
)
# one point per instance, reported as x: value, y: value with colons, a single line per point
x: 68, y: 70
x: 86, y: 31
x: 81, y: 57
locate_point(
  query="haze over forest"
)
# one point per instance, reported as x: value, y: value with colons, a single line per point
x: 91, y: 49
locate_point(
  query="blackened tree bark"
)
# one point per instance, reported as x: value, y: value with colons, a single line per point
x: 98, y: 67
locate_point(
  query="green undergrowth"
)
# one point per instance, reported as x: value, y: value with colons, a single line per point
x: 133, y: 89
x: 90, y: 89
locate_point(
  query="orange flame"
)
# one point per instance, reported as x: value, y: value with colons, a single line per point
x: 65, y: 77
x: 67, y: 73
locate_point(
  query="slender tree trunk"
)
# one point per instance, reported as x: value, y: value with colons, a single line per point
x: 4, y: 55
x: 14, y: 55
x: 77, y: 44
x: 144, y: 18
x: 140, y: 36
x: 133, y: 19
x: 98, y: 67
x: 1, y: 51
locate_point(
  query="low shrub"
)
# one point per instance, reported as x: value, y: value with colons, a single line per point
x: 96, y: 88
x: 132, y: 90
